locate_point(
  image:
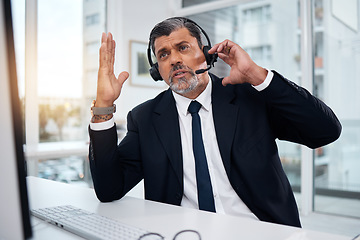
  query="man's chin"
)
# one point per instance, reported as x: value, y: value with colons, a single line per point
x: 179, y: 84
x: 183, y: 85
x: 180, y: 89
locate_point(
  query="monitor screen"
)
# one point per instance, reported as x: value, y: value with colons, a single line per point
x: 14, y: 206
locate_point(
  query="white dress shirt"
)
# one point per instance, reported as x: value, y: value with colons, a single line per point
x: 226, y: 199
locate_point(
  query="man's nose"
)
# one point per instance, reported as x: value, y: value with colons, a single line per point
x: 175, y: 58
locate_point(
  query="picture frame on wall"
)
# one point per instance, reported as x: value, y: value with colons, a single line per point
x: 139, y: 66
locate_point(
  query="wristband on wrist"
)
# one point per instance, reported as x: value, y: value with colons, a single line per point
x: 102, y: 110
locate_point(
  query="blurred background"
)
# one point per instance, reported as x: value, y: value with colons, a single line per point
x: 315, y: 43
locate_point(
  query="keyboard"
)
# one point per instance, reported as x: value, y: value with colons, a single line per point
x: 89, y: 225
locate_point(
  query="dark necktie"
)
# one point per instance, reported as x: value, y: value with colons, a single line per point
x: 205, y: 193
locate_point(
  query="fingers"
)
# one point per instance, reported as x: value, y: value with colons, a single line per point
x: 223, y: 47
x: 110, y: 53
x: 113, y: 45
x: 107, y: 52
x: 103, y: 37
x: 103, y: 50
x: 226, y: 50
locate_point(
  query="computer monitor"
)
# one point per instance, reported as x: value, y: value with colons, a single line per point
x: 14, y: 206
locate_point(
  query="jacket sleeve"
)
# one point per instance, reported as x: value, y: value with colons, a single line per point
x: 298, y: 116
x: 115, y: 169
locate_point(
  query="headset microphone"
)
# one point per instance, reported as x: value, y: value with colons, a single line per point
x: 213, y: 60
x: 200, y: 71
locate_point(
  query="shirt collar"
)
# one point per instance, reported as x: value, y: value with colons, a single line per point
x: 182, y: 103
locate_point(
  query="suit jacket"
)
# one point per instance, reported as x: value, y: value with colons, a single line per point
x: 247, y: 122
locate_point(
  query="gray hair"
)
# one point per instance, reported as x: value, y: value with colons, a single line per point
x: 166, y: 27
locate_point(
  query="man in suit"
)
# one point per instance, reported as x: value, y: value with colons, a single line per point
x: 241, y: 116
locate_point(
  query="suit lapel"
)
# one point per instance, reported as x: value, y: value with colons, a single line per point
x: 224, y: 120
x: 166, y: 123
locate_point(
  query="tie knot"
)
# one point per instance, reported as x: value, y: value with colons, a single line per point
x: 194, y: 107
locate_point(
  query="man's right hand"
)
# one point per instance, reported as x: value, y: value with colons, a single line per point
x: 108, y: 85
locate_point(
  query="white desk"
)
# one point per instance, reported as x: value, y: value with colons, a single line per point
x: 156, y: 217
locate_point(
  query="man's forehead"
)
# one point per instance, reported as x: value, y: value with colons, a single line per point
x: 175, y: 37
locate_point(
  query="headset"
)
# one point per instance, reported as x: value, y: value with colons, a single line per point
x: 210, y: 58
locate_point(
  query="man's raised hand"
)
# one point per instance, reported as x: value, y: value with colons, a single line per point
x: 108, y: 85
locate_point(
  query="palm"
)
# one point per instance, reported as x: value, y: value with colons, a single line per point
x: 109, y: 86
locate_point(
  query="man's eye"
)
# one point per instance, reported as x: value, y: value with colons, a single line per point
x: 183, y: 47
x: 162, y: 55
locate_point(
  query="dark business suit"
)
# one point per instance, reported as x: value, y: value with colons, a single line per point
x: 247, y: 122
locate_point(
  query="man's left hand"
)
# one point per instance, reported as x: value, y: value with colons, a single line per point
x: 243, y: 68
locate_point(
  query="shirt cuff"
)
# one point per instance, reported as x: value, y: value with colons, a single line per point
x: 102, y: 125
x: 267, y: 81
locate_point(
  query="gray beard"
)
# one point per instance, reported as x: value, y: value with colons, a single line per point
x: 192, y: 82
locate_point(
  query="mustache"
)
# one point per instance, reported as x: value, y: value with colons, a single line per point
x: 181, y: 66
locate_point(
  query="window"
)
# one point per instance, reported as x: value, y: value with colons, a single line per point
x: 261, y: 54
x: 319, y: 50
x: 92, y: 47
x: 59, y: 92
x: 318, y: 13
x: 257, y: 15
x: 92, y: 19
x: 59, y: 72
x: 337, y: 179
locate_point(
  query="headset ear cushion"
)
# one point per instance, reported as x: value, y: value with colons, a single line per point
x: 210, y: 58
x: 154, y: 72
